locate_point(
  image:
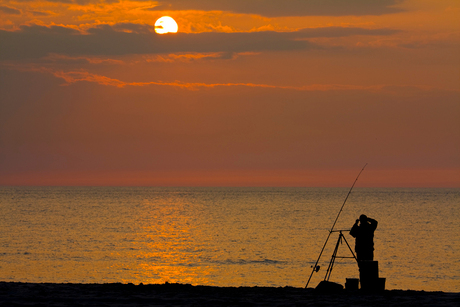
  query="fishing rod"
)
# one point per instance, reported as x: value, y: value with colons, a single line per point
x: 315, y: 267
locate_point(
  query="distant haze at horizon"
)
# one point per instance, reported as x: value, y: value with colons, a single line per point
x: 337, y: 178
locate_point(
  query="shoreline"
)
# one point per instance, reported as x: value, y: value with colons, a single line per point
x: 172, y: 294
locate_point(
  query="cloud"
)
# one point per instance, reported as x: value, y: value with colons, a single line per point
x: 123, y: 39
x: 188, y: 57
x: 64, y: 59
x: 77, y: 76
x: 83, y: 2
x: 9, y: 10
x: 276, y: 8
x: 74, y: 76
x: 270, y: 8
x: 40, y: 14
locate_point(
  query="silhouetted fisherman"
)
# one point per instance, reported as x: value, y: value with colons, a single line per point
x: 363, y: 231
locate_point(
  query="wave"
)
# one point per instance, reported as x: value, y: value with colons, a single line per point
x: 249, y: 261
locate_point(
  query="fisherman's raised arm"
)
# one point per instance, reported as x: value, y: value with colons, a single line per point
x: 373, y: 223
x: 354, y: 229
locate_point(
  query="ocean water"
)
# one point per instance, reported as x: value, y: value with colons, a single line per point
x: 224, y: 236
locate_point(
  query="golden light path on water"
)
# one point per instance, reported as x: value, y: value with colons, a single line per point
x: 179, y: 241
x: 165, y: 247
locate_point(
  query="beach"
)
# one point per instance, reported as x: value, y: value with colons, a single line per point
x: 169, y: 294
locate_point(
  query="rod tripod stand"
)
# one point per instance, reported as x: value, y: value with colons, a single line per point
x: 334, y: 254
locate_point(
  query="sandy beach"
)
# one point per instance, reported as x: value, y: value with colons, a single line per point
x: 117, y: 294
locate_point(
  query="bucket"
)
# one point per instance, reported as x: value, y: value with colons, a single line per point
x: 352, y: 284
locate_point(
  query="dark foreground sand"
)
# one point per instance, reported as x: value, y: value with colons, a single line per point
x: 46, y: 294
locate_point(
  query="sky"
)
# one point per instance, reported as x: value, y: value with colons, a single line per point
x: 247, y: 93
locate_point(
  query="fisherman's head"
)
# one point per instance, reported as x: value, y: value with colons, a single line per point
x: 363, y: 219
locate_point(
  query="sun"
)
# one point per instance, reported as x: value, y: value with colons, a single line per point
x: 165, y: 24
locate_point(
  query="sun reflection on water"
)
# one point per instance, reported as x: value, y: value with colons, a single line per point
x: 167, y: 246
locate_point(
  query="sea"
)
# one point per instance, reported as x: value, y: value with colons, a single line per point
x: 217, y: 236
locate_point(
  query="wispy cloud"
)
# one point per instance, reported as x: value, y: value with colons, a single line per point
x: 78, y: 76
x: 188, y: 57
x: 40, y: 13
x: 9, y: 10
x: 75, y: 76
x: 65, y: 59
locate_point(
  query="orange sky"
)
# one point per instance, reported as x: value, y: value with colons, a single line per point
x: 247, y: 93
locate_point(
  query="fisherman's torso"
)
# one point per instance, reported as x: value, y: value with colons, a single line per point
x: 365, y: 237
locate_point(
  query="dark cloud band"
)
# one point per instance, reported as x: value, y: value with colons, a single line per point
x: 274, y: 8
x: 123, y: 39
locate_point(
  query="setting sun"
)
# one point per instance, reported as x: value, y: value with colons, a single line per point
x: 166, y: 24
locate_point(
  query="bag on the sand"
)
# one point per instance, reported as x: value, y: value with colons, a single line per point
x: 328, y: 287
